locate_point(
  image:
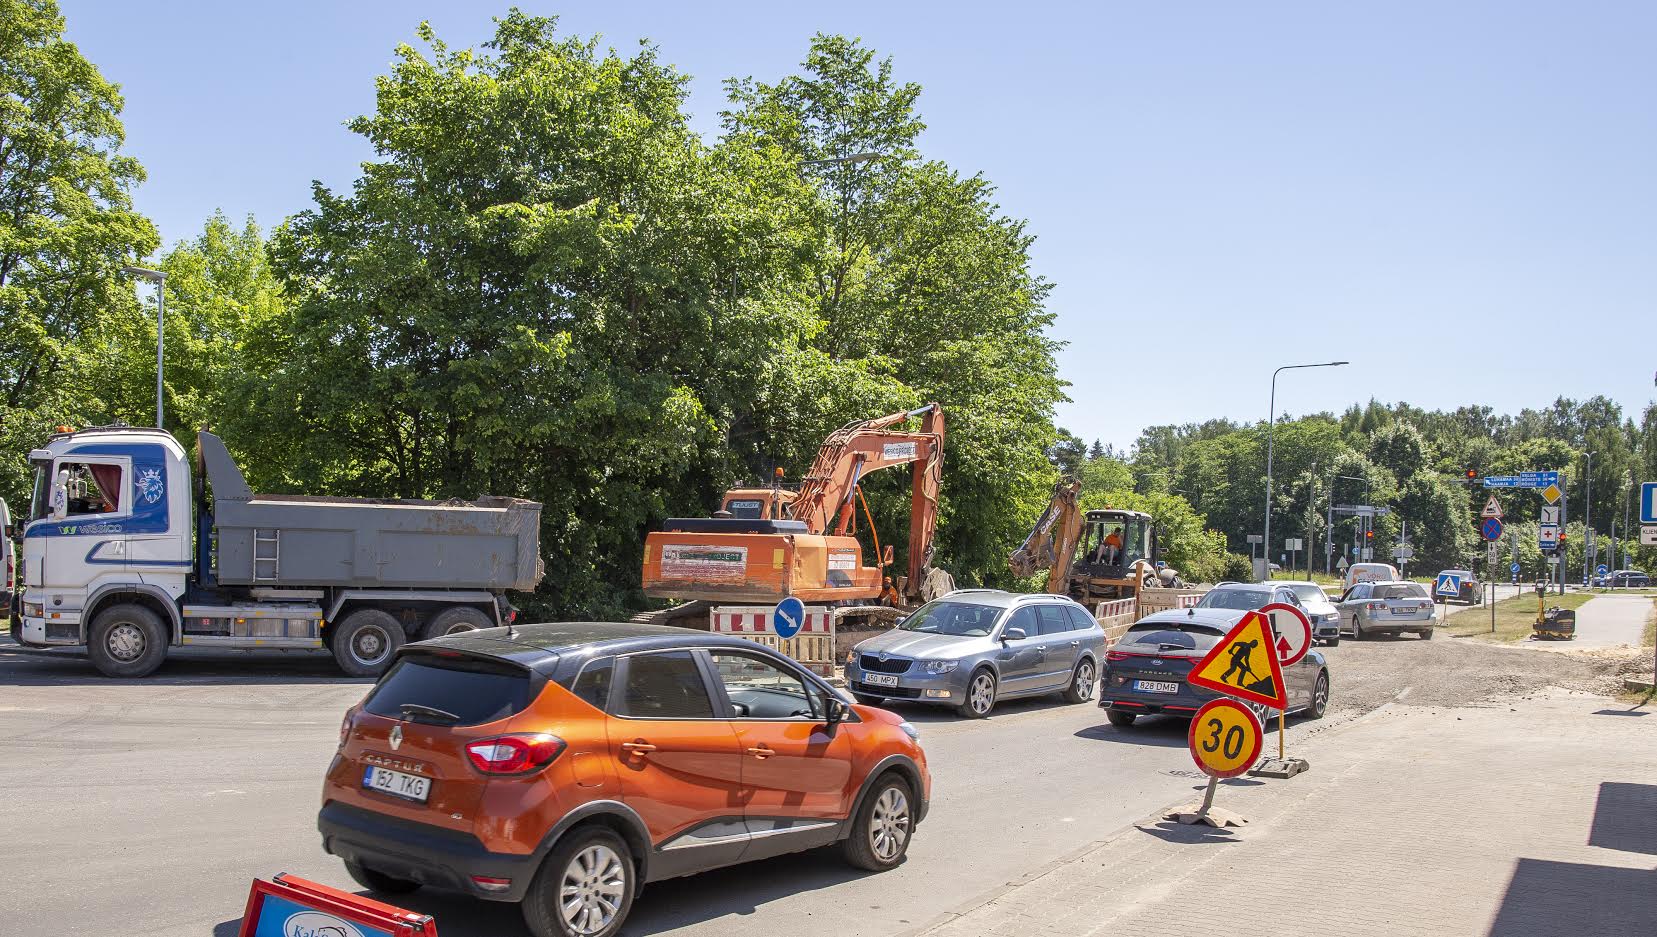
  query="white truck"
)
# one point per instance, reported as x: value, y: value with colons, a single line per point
x: 129, y: 550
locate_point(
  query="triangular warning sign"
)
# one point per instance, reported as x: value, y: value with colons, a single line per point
x: 1492, y: 508
x: 1244, y: 665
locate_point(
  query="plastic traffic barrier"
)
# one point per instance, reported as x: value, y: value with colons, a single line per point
x: 289, y: 906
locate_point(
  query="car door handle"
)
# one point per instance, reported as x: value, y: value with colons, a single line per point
x: 1041, y: 647
x: 1075, y: 644
x: 637, y: 748
x: 761, y: 752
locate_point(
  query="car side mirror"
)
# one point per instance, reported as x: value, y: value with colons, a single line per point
x: 834, y: 710
x: 1013, y: 634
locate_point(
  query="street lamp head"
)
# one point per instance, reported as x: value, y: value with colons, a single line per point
x: 841, y: 160
x: 154, y: 276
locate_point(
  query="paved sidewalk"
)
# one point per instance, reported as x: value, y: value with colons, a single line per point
x: 1606, y: 621
x: 1530, y: 817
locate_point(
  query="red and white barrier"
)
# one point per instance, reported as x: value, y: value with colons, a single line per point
x: 756, y: 619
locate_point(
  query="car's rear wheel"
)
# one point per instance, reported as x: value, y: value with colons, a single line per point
x: 1357, y: 629
x: 1120, y: 719
x: 1426, y: 635
x: 880, y: 834
x: 1320, y: 697
x: 980, y: 695
x: 584, y: 888
x: 379, y: 881
x: 1081, y: 683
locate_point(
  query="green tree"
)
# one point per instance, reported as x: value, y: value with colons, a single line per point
x: 66, y: 227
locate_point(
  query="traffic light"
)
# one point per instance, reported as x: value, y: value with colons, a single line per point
x: 1369, y: 535
x: 1472, y: 475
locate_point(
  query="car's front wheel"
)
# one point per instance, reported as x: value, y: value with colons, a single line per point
x: 1334, y: 641
x: 584, y: 888
x: 880, y: 834
x: 1081, y: 683
x: 980, y: 696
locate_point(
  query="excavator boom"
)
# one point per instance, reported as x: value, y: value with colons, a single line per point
x: 1052, y: 543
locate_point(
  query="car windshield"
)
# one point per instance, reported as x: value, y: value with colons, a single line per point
x: 1242, y: 600
x: 1401, y: 590
x: 966, y: 619
x: 1310, y: 592
x: 1166, y: 637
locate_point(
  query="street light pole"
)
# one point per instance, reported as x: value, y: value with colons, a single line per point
x: 1271, y: 426
x: 1588, y: 520
x: 158, y: 278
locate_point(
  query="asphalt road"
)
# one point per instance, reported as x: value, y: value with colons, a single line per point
x: 146, y: 807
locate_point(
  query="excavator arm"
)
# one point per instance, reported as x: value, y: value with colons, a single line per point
x: 826, y: 498
x: 1052, y: 543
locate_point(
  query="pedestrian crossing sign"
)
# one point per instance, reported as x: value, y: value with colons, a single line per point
x: 1244, y: 664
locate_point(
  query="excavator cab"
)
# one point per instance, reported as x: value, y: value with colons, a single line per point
x: 754, y: 504
x: 1112, y: 542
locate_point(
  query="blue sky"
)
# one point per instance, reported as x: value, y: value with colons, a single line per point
x: 1459, y: 198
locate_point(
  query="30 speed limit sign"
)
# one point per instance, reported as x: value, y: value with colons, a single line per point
x: 1225, y: 738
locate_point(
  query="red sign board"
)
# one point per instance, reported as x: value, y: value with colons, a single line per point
x: 289, y: 906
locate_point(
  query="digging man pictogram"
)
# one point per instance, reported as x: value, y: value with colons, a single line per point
x: 1240, y: 652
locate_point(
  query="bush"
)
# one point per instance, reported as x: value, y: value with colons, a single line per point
x: 1237, y: 568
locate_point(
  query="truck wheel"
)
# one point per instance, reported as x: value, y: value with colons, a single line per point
x: 365, y: 640
x: 127, y: 641
x: 454, y: 621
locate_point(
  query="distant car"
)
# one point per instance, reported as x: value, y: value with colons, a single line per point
x: 1472, y: 590
x: 1629, y: 578
x: 1370, y: 572
x: 1249, y: 596
x: 1326, y: 618
x: 973, y: 648
x: 1387, y: 608
x: 1145, y: 672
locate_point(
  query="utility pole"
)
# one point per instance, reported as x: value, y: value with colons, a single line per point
x: 1588, y: 519
x: 160, y: 280
x: 1271, y: 426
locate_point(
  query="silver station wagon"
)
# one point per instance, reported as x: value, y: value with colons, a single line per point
x: 974, y: 647
x: 1370, y: 608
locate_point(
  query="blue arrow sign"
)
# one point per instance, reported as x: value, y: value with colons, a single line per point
x: 1449, y: 584
x: 1491, y: 528
x: 1648, y: 503
x: 788, y: 617
x: 1514, y: 569
x: 1602, y: 569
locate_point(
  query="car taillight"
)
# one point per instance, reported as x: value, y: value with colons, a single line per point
x: 345, y: 730
x: 514, y: 754
x: 1116, y: 656
x: 1375, y: 606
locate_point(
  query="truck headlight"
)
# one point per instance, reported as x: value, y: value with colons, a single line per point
x: 34, y: 610
x: 939, y: 666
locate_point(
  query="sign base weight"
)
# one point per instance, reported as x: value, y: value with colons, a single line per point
x: 1280, y: 768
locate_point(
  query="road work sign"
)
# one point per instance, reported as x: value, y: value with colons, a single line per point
x: 1225, y: 738
x: 1491, y: 528
x: 1448, y: 584
x: 1244, y: 664
x: 289, y: 906
x: 1293, y: 631
x: 1492, y: 508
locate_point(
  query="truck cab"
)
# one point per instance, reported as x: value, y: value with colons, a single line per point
x: 109, y: 516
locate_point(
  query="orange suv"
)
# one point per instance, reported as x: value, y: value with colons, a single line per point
x: 563, y: 766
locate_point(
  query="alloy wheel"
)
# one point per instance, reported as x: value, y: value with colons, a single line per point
x: 982, y: 693
x: 1084, y: 681
x: 594, y: 882
x: 889, y: 826
x: 1320, y: 694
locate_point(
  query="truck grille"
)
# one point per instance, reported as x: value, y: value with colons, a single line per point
x: 876, y: 665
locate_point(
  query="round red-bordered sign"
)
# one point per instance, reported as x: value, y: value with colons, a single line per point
x: 1291, y: 627
x: 1225, y: 738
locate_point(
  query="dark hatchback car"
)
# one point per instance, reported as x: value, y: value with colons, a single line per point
x: 1145, y: 671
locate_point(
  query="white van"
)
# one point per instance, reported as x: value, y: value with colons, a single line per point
x: 1370, y: 572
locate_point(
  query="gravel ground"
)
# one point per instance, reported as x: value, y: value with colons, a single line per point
x: 1451, y: 672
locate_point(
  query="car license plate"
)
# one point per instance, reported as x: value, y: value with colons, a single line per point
x: 1155, y: 686
x: 1405, y: 611
x: 880, y: 679
x: 397, y: 784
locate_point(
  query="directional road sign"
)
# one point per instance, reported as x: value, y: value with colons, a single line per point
x: 1648, y: 503
x: 1547, y: 536
x: 1514, y: 569
x: 1293, y: 631
x: 1523, y: 480
x: 1244, y: 664
x: 1648, y: 535
x: 1601, y: 569
x: 1491, y: 528
x: 1225, y: 738
x: 788, y: 617
x: 1492, y: 508
x: 1551, y: 494
x: 1448, y: 584
x: 1550, y: 514
x: 1403, y: 552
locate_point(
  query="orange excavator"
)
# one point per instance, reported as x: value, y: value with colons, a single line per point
x: 766, y: 544
x: 1092, y: 555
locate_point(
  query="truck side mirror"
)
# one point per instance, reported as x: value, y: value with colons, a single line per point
x: 60, y: 497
